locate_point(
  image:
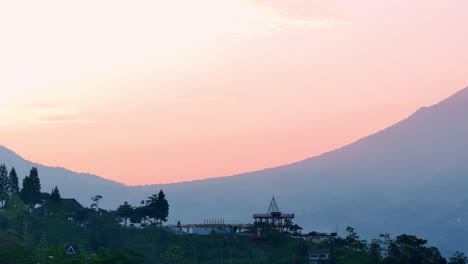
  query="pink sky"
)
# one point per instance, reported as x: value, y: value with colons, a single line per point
x: 150, y: 92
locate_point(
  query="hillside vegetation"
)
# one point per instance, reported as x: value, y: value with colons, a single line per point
x: 40, y: 227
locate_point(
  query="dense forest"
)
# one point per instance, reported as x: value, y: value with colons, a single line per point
x: 40, y: 227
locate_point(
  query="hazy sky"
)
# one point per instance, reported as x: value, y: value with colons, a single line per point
x: 155, y: 91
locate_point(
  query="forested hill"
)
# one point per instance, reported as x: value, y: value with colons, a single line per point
x: 391, y: 181
x: 40, y: 227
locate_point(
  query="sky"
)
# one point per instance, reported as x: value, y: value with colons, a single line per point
x: 147, y: 92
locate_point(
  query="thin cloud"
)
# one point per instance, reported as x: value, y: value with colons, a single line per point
x: 75, y: 117
x: 308, y: 13
x: 40, y: 106
x: 65, y: 118
x: 45, y: 113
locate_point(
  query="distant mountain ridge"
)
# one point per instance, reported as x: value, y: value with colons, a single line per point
x: 71, y: 184
x: 411, y: 177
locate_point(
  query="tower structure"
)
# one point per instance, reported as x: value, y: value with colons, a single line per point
x: 274, y: 218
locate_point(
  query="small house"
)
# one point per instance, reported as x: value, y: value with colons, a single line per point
x: 317, y: 256
x: 317, y: 238
x: 68, y: 208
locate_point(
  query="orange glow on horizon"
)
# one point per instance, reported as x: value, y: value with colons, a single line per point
x: 184, y: 90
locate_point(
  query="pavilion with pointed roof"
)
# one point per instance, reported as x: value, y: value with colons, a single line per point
x: 274, y: 219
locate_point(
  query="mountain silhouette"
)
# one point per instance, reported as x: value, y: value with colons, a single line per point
x: 409, y: 178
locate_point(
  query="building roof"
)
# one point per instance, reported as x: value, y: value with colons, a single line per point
x: 71, y: 203
x: 273, y: 208
x: 67, y: 204
x: 274, y: 212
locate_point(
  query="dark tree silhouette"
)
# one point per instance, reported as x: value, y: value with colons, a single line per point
x: 4, y: 185
x: 411, y: 249
x: 14, y: 185
x: 125, y: 211
x: 163, y: 207
x: 157, y: 207
x: 31, y: 191
x: 96, y: 198
x: 55, y: 195
x: 150, y: 210
x: 458, y: 258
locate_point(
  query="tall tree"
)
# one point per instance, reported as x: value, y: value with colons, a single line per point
x: 4, y: 185
x: 411, y: 249
x: 163, y: 207
x: 96, y: 198
x: 458, y: 258
x: 55, y: 195
x: 157, y: 207
x: 353, y: 242
x: 31, y: 191
x: 150, y: 209
x: 14, y: 185
x: 125, y: 211
x: 375, y: 251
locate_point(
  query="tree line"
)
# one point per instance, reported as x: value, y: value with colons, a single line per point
x: 153, y: 210
x: 32, y: 234
x: 37, y: 231
x: 403, y: 249
x: 9, y: 186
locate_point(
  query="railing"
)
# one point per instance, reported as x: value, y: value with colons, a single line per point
x: 273, y: 216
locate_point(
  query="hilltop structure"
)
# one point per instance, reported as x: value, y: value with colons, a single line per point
x: 209, y: 226
x: 70, y: 208
x: 320, y: 237
x: 274, y: 218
